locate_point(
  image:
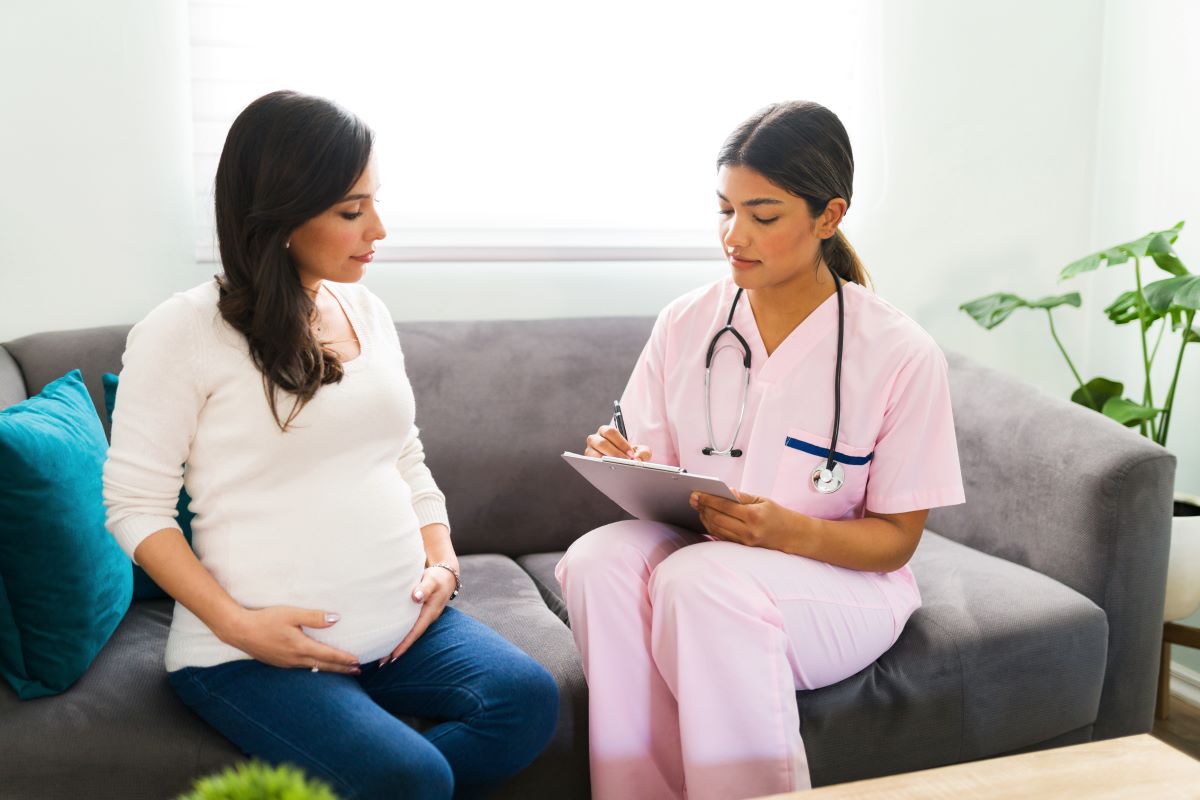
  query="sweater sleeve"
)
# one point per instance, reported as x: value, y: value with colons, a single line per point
x: 160, y: 397
x: 428, y: 501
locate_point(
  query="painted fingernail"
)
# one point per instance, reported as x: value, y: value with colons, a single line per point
x: 393, y: 661
x: 331, y: 617
x: 381, y: 661
x: 418, y: 595
x: 356, y: 671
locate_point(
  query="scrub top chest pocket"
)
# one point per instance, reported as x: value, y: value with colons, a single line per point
x: 804, y: 451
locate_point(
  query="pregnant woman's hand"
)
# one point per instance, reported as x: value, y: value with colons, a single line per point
x: 432, y: 592
x: 608, y: 441
x: 275, y: 636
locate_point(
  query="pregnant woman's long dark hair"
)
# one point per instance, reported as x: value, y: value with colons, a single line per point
x: 288, y: 157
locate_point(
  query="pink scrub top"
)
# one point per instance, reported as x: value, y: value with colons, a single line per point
x: 895, y: 404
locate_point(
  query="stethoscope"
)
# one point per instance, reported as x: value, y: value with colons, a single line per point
x: 828, y: 476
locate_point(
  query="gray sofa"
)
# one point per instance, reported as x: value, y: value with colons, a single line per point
x: 1042, y: 594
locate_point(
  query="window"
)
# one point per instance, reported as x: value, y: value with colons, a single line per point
x: 536, y: 130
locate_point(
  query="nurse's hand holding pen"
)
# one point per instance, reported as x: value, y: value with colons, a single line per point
x: 608, y: 441
x: 613, y: 441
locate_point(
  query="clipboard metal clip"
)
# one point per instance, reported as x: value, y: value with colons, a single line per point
x: 630, y: 462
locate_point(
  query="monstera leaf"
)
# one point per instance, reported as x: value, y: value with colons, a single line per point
x: 1181, y: 292
x: 1125, y: 309
x: 990, y: 310
x: 1156, y: 245
x: 1104, y: 395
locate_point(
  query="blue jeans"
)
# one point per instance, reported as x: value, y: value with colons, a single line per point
x: 495, y: 707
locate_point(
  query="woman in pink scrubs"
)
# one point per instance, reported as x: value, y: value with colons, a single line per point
x: 694, y: 645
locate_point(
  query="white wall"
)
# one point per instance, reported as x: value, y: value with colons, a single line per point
x: 990, y: 131
x: 95, y: 215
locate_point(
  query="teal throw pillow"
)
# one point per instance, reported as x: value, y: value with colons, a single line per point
x: 65, y: 584
x: 144, y: 587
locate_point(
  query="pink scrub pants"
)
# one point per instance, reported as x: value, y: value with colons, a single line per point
x: 694, y: 648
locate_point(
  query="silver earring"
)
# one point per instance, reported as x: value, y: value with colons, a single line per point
x: 287, y: 244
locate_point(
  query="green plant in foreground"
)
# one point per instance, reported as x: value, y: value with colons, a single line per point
x: 258, y: 781
x: 1171, y: 301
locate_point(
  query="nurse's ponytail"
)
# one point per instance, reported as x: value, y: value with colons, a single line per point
x: 842, y: 257
x: 802, y: 147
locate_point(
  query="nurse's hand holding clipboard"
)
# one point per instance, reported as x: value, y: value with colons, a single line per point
x: 755, y: 522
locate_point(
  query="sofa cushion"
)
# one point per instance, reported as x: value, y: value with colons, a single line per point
x: 997, y: 657
x: 144, y: 587
x: 121, y: 732
x: 64, y: 582
x: 540, y: 567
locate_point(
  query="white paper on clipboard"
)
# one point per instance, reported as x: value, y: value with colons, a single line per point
x: 654, y: 492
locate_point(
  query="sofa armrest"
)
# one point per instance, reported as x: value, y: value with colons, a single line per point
x: 12, y: 384
x: 1058, y: 488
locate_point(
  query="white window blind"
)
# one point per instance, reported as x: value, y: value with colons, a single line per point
x: 536, y: 130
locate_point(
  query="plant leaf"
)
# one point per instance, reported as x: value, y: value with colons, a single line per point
x: 1182, y: 291
x: 993, y: 309
x: 1115, y: 255
x: 1156, y: 244
x: 1054, y: 301
x: 1159, y: 248
x: 1191, y: 335
x: 1101, y: 391
x: 1127, y: 412
x: 1124, y: 309
x: 1085, y: 264
x: 990, y: 310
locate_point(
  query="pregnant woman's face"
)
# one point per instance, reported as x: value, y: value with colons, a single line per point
x: 338, y: 243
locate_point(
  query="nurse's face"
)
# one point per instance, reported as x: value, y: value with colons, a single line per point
x: 768, y: 233
x: 338, y: 243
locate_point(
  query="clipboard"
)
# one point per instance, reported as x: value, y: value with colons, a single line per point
x: 654, y: 492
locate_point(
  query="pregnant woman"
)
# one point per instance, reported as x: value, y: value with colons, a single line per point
x: 313, y: 611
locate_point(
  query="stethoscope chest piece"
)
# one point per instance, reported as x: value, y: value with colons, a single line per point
x: 828, y: 481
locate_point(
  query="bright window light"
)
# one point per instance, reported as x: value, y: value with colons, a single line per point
x: 534, y: 130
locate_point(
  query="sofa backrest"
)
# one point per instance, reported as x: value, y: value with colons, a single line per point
x: 497, y: 403
x: 1050, y: 485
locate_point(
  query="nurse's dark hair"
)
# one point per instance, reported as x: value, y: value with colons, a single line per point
x: 803, y: 148
x: 287, y: 158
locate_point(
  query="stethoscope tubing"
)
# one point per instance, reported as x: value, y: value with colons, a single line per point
x: 823, y: 476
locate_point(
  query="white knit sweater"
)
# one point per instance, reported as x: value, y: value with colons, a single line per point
x: 326, y: 516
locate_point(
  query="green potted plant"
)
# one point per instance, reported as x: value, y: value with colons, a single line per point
x: 1168, y: 304
x: 255, y: 780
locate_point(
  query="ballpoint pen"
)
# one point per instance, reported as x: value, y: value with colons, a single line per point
x: 620, y: 420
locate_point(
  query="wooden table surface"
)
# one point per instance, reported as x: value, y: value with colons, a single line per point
x: 1131, y: 767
